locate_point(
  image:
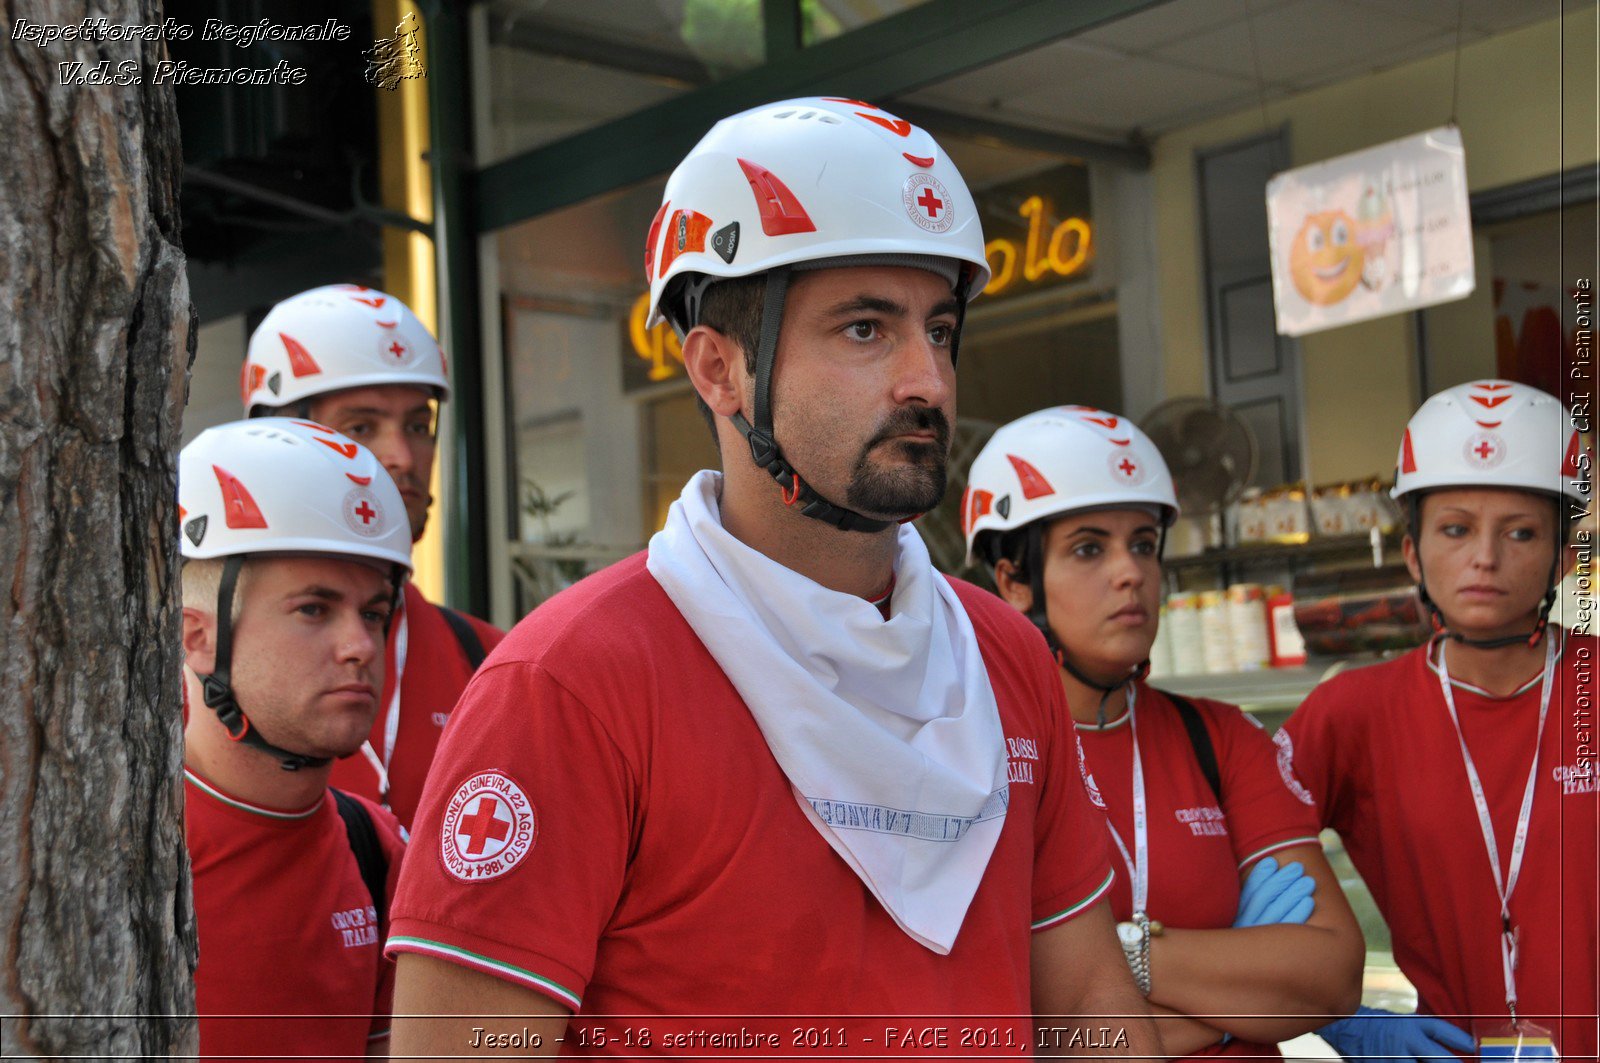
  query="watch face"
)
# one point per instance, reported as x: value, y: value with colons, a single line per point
x: 1128, y: 933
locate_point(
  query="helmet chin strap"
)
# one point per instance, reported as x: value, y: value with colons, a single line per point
x: 1436, y: 617
x: 1038, y: 612
x: 218, y: 689
x: 764, y: 450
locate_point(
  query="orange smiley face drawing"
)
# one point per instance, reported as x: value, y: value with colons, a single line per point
x: 1325, y: 260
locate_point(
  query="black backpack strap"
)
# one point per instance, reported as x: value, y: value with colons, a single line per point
x: 1200, y: 739
x: 368, y: 852
x: 465, y: 634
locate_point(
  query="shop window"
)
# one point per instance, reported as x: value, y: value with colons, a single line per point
x: 677, y: 445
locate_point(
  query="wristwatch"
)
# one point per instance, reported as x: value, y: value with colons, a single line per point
x: 1135, y: 935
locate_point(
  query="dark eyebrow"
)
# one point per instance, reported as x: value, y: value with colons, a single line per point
x: 1462, y: 512
x: 328, y: 594
x: 1091, y: 530
x: 866, y: 303
x: 374, y: 411
x: 888, y: 307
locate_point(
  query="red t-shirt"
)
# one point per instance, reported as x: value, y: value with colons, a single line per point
x: 655, y: 861
x: 436, y: 672
x: 286, y: 928
x: 1196, y: 846
x: 1376, y: 747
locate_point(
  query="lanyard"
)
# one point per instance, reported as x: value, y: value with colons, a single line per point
x: 1139, y: 863
x: 1504, y: 888
x: 391, y: 720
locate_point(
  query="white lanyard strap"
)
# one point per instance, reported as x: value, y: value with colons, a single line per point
x: 1139, y: 863
x: 391, y: 720
x: 1504, y: 887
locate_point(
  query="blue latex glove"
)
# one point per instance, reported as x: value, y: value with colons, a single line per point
x: 1375, y: 1034
x: 1273, y: 894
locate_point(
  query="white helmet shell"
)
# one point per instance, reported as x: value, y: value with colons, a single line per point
x: 806, y: 180
x: 278, y: 485
x: 1058, y: 461
x: 1492, y: 433
x: 336, y: 337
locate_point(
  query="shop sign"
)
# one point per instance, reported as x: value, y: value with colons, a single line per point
x: 1379, y: 231
x: 651, y: 355
x: 1038, y: 230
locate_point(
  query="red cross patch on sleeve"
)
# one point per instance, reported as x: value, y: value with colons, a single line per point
x: 489, y: 827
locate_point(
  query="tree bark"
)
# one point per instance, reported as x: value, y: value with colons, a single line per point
x: 97, y: 940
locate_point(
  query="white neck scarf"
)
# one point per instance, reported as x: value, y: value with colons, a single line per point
x: 887, y: 730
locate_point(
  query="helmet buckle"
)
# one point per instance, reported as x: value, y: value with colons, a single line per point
x: 762, y: 448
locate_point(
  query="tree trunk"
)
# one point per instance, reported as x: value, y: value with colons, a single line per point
x: 97, y: 941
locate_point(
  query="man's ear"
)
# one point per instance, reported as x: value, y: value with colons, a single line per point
x: 1017, y: 591
x: 715, y: 365
x: 199, y: 640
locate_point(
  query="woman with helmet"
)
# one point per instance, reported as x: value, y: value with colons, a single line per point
x: 1216, y: 852
x: 295, y: 542
x: 1461, y: 775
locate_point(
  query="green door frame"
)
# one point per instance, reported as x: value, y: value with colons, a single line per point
x: 920, y: 46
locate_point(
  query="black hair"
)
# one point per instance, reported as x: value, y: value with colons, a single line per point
x: 991, y: 547
x: 733, y: 308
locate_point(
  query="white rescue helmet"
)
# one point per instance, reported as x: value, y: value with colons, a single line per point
x: 275, y: 485
x: 336, y: 337
x: 1061, y: 460
x: 810, y: 180
x: 1492, y: 433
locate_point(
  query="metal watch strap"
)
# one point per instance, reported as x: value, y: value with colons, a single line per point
x: 1138, y: 953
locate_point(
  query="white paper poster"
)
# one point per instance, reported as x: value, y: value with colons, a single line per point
x: 1375, y: 232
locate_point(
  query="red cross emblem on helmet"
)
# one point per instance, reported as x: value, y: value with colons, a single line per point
x: 1125, y: 467
x: 1484, y: 450
x: 928, y: 202
x: 363, y: 512
x: 392, y: 348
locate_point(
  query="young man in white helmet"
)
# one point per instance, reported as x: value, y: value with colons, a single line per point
x: 1228, y: 910
x: 778, y: 765
x: 360, y: 361
x: 295, y: 543
x: 1461, y: 776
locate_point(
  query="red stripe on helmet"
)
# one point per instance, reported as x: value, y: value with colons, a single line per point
x: 238, y: 508
x: 974, y: 504
x: 1033, y: 484
x: 898, y: 126
x: 300, y: 361
x: 781, y: 212
x: 650, y: 241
